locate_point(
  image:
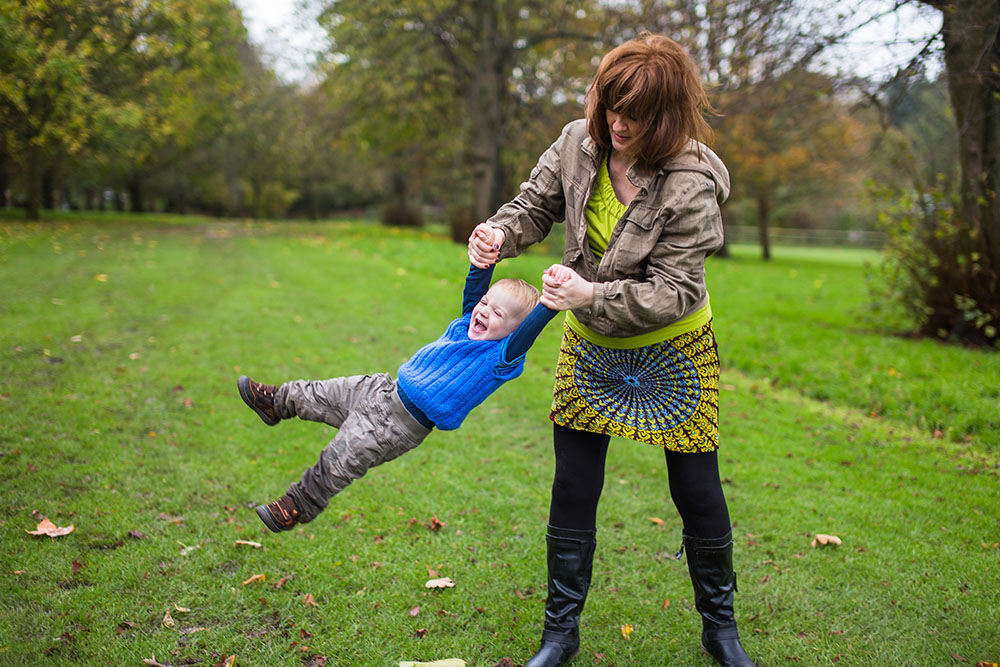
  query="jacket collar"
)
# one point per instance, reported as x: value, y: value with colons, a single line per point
x: 638, y: 177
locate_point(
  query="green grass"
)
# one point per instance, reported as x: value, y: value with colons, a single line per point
x: 119, y: 413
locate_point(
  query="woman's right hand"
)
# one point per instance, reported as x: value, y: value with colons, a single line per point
x: 484, y: 245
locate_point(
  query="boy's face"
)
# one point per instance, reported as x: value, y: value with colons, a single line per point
x: 496, y: 315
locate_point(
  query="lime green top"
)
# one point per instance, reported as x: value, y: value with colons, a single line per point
x: 602, y: 214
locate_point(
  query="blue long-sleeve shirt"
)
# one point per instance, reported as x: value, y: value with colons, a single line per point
x: 444, y: 380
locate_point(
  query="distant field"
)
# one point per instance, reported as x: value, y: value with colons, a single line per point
x: 122, y: 339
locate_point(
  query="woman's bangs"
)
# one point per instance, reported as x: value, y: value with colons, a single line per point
x: 630, y: 95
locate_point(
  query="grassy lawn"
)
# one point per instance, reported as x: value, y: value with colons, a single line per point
x: 119, y: 414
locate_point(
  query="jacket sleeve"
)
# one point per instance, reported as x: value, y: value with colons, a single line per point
x: 528, y: 218
x: 674, y: 282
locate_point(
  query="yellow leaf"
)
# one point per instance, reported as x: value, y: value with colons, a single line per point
x: 168, y: 620
x: 183, y: 610
x: 46, y: 527
x: 656, y: 520
x: 101, y: 278
x: 444, y: 582
x: 256, y: 577
x: 822, y: 540
x: 627, y: 629
x: 255, y: 545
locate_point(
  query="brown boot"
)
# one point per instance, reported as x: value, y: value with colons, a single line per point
x: 280, y: 515
x: 260, y: 397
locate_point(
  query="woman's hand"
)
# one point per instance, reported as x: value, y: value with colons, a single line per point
x: 564, y: 289
x: 484, y: 245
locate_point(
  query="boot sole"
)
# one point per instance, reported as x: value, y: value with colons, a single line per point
x: 243, y: 384
x: 269, y: 520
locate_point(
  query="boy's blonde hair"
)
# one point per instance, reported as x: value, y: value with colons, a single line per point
x: 524, y: 292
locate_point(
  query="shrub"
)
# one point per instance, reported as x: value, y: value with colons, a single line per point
x: 934, y: 276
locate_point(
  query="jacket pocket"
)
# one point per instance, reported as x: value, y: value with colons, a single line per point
x: 636, y: 241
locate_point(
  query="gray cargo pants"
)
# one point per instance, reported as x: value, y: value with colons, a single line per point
x: 373, y: 427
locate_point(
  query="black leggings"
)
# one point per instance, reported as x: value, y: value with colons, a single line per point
x: 695, y: 486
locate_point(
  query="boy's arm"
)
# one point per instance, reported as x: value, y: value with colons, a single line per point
x: 477, y: 283
x: 525, y: 335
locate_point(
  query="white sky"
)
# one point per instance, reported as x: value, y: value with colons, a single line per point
x: 290, y: 38
x: 287, y: 34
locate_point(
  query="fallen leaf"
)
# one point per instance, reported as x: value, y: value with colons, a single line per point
x: 182, y: 610
x: 316, y: 661
x: 627, y: 629
x: 151, y: 662
x: 666, y: 603
x: 281, y: 582
x: 168, y: 620
x: 191, y: 631
x: 450, y: 662
x: 101, y: 277
x: 304, y: 634
x: 226, y: 661
x: 414, y: 611
x: 421, y: 633
x: 658, y: 521
x: 77, y: 566
x: 255, y: 545
x: 308, y: 599
x: 19, y: 571
x: 46, y: 527
x: 444, y: 582
x: 125, y: 626
x: 822, y: 540
x: 436, y: 524
x: 135, y: 534
x: 256, y: 577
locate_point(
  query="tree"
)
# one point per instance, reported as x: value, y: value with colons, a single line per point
x: 453, y: 64
x: 971, y: 35
x: 790, y: 135
x: 942, y: 266
x: 76, y: 68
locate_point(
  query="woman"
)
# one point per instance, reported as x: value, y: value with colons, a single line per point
x: 640, y: 198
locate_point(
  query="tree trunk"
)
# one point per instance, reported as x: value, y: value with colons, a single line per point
x: 135, y: 192
x: 486, y: 102
x: 48, y: 188
x: 763, y: 220
x: 34, y: 182
x: 4, y: 182
x: 971, y: 33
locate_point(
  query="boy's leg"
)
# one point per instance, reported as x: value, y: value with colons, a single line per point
x: 378, y: 429
x: 327, y: 401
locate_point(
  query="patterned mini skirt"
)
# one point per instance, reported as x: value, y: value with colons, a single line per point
x: 665, y: 394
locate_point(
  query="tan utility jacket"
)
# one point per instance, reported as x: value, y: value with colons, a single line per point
x: 653, y: 271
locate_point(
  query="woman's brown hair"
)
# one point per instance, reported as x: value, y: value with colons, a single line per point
x: 653, y: 81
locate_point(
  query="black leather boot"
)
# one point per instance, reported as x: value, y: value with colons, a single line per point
x: 570, y: 562
x: 710, y: 562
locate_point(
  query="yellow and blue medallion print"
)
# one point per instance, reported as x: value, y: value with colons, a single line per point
x: 665, y: 394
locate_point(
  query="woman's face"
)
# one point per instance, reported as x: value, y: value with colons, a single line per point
x: 623, y: 131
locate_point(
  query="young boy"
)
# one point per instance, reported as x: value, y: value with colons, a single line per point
x: 378, y: 418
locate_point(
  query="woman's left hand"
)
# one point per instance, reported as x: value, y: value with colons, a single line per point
x: 565, y: 289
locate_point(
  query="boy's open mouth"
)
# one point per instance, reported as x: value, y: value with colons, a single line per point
x: 478, y: 325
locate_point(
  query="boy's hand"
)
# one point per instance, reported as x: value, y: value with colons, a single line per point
x: 559, y: 273
x: 564, y: 289
x: 484, y: 245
